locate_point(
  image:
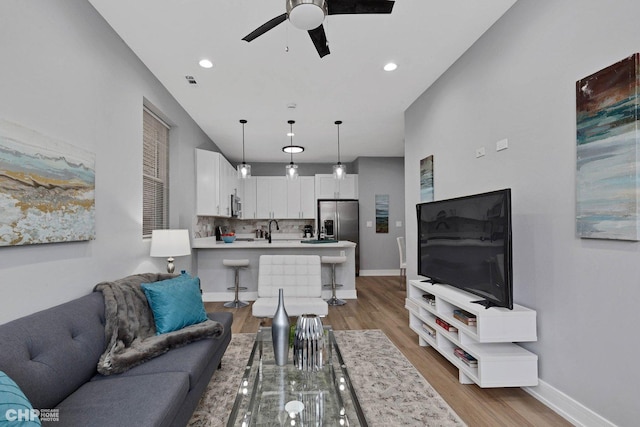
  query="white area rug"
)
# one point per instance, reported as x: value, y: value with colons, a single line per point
x: 390, y: 390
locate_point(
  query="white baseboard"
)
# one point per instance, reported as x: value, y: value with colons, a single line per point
x: 567, y: 407
x: 380, y: 273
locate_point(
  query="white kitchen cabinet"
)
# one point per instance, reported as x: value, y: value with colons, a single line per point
x: 229, y: 186
x: 248, y: 191
x: 215, y: 182
x: 271, y: 197
x: 327, y: 187
x: 301, y: 198
x: 207, y: 183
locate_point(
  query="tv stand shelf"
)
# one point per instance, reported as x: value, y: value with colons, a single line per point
x: 500, y: 362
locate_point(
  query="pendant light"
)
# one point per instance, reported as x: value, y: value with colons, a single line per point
x: 244, y: 170
x: 339, y: 170
x: 291, y: 168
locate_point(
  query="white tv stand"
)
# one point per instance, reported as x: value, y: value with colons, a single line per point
x: 501, y: 363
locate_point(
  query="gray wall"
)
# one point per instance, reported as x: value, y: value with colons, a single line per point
x: 380, y: 175
x: 66, y: 74
x: 518, y: 82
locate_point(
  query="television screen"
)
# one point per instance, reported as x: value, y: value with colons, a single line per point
x: 466, y: 243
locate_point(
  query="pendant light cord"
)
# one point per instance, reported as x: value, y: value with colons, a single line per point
x: 338, y: 123
x: 291, y: 122
x: 243, y: 121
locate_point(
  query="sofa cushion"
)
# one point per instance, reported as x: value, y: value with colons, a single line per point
x: 176, y: 303
x: 51, y: 353
x: 15, y: 408
x: 141, y: 400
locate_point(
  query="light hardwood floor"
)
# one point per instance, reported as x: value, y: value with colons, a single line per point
x: 380, y: 305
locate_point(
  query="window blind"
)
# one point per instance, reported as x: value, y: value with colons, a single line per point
x: 155, y: 174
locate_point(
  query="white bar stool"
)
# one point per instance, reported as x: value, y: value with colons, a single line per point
x: 333, y: 260
x: 236, y: 264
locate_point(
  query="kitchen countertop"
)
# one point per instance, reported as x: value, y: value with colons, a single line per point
x: 212, y: 243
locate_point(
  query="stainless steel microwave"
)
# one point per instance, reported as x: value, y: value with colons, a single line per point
x: 236, y: 206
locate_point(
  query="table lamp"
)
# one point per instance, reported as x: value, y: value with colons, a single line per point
x: 170, y: 243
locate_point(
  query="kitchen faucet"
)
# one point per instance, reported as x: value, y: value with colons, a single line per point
x: 269, y: 231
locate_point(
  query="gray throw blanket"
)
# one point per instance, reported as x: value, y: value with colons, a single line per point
x: 130, y: 329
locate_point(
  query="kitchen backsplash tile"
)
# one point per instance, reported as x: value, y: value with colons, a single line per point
x: 204, y: 226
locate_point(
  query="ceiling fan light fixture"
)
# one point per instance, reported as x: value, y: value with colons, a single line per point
x: 306, y: 14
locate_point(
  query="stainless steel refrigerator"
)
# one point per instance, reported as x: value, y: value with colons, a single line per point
x: 340, y: 220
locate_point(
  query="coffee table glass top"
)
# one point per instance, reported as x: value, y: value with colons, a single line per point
x: 271, y: 395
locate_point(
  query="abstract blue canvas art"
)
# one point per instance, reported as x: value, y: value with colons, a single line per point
x: 382, y: 213
x: 426, y: 179
x: 47, y: 189
x: 607, y: 153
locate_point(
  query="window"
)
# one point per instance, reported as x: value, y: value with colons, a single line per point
x: 155, y: 174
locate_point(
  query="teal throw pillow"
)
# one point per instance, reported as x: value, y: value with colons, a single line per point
x: 15, y: 408
x: 175, y: 303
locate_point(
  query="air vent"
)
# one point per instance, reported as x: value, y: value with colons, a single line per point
x: 191, y: 80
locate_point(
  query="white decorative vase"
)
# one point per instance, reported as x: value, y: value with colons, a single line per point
x: 280, y: 332
x: 308, y: 344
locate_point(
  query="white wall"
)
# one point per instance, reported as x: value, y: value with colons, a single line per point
x: 67, y: 75
x: 518, y: 82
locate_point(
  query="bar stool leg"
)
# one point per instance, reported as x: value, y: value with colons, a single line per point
x: 334, y: 300
x: 236, y: 303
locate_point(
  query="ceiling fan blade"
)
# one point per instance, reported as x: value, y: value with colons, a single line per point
x: 340, y: 7
x: 265, y: 27
x: 319, y: 39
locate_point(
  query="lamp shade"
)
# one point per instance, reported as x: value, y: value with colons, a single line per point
x: 170, y: 243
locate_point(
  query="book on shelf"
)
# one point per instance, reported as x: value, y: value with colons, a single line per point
x: 445, y: 325
x: 429, y: 330
x: 465, y: 357
x: 465, y: 317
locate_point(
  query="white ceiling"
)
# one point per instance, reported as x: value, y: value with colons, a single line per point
x: 257, y: 81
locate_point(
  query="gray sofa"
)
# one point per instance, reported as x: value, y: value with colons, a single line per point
x: 52, y: 355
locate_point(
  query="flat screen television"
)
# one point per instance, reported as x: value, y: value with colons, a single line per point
x: 465, y: 242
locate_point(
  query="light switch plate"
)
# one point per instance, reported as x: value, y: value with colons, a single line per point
x: 369, y: 224
x: 480, y: 152
x: 503, y: 144
x: 398, y: 223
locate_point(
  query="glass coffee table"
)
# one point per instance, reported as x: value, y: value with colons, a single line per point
x: 271, y: 395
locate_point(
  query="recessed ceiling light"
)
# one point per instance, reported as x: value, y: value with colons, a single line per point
x: 390, y: 66
x: 205, y: 63
x: 292, y: 149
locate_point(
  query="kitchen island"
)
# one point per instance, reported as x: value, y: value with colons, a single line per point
x: 215, y: 278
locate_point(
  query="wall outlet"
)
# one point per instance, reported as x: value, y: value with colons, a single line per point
x: 480, y: 152
x: 342, y: 253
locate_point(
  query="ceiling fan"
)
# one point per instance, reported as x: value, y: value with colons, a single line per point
x: 309, y: 14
